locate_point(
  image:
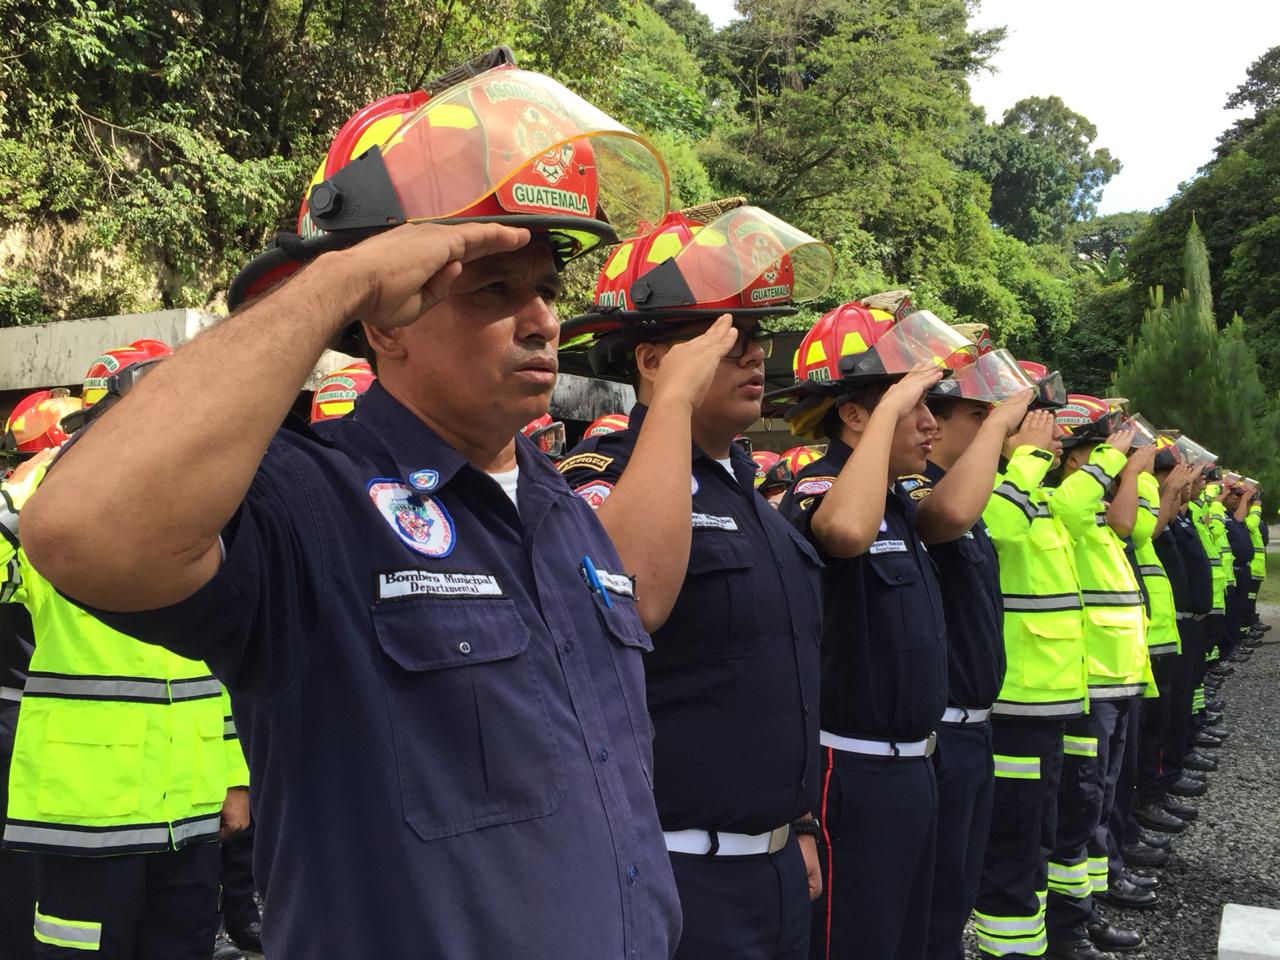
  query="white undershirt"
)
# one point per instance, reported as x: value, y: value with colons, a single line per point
x: 727, y: 463
x: 509, y: 480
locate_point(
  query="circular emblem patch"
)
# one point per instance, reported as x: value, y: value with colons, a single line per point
x: 595, y: 493
x: 422, y: 524
x: 695, y: 485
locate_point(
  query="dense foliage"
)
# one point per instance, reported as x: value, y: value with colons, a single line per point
x: 147, y: 150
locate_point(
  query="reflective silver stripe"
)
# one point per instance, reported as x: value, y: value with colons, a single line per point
x: 1100, y: 519
x: 97, y: 688
x: 1026, y: 946
x: 1151, y: 570
x: 196, y: 829
x: 1043, y: 602
x: 1095, y: 471
x: 1111, y: 598
x: 1116, y: 693
x: 1160, y: 649
x: 1215, y: 561
x: 1145, y: 504
x: 12, y: 580
x: 878, y: 748
x: 1073, y: 872
x: 8, y: 520
x: 1006, y: 925
x: 196, y: 688
x: 1017, y: 498
x: 11, y: 693
x: 1062, y: 709
x: 72, y: 934
x: 228, y: 727
x: 22, y: 835
x: 1025, y: 768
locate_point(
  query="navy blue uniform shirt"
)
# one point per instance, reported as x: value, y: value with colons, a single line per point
x: 1196, y: 563
x: 884, y: 639
x: 1241, y: 550
x: 969, y: 577
x: 450, y: 755
x: 1174, y: 567
x: 733, y: 679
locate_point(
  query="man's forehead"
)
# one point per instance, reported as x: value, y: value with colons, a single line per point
x: 534, y: 258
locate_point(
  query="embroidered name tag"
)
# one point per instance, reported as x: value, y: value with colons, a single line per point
x: 393, y: 584
x: 888, y: 546
x: 705, y: 521
x: 618, y: 583
x: 588, y: 461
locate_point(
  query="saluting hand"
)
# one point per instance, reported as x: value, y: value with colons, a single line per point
x: 1122, y: 440
x: 1142, y: 459
x: 689, y: 366
x: 1010, y: 412
x: 402, y: 273
x: 1037, y: 430
x: 905, y: 395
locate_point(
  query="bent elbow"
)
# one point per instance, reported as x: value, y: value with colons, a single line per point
x: 842, y: 541
x: 50, y: 540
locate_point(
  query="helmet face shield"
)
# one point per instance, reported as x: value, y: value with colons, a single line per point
x: 993, y: 377
x: 920, y: 338
x: 1192, y: 453
x: 1143, y: 433
x: 529, y: 143
x: 551, y: 440
x: 749, y: 252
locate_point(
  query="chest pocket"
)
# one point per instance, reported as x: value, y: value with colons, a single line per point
x: 715, y: 615
x: 473, y: 737
x: 896, y: 590
x: 970, y: 550
x: 628, y: 645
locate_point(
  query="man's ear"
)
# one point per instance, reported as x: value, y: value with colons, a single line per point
x: 853, y: 415
x: 648, y: 361
x: 385, y: 342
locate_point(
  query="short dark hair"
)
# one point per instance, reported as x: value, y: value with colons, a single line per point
x: 942, y: 407
x: 866, y: 396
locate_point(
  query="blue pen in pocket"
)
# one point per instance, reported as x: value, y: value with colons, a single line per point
x: 593, y: 578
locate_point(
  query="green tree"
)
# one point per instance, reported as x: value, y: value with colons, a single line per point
x: 1043, y: 170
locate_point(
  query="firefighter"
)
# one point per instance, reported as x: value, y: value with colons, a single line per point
x: 862, y: 377
x: 733, y: 678
x: 1119, y: 670
x: 126, y: 767
x: 435, y: 642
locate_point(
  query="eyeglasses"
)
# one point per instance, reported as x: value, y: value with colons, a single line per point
x: 761, y: 338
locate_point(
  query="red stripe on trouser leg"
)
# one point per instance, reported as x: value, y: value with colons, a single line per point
x: 826, y: 838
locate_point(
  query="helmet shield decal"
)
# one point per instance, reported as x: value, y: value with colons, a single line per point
x: 920, y: 338
x: 749, y: 252
x: 538, y: 148
x: 993, y: 377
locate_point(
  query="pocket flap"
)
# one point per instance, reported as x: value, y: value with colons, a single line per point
x: 427, y: 633
x: 719, y: 550
x: 895, y: 569
x: 96, y: 725
x: 623, y: 622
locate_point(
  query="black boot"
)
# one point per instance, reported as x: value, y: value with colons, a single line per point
x: 1076, y: 948
x: 1142, y: 855
x: 1141, y: 880
x: 1188, y: 787
x: 1122, y: 893
x: 1153, y: 816
x: 1104, y: 935
x: 1183, y: 811
x: 1153, y: 839
x: 1194, y: 761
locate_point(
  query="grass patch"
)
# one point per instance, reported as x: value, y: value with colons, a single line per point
x: 1270, y: 590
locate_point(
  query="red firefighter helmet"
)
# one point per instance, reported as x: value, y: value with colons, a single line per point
x: 1083, y: 419
x: 1051, y: 392
x: 609, y: 423
x: 485, y: 142
x: 337, y: 393
x: 547, y: 435
x: 36, y: 422
x: 854, y: 345
x: 797, y: 458
x: 723, y: 257
x: 117, y: 370
x: 764, y: 459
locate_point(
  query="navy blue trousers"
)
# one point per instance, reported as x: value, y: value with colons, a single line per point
x: 880, y: 821
x: 743, y: 908
x: 966, y: 789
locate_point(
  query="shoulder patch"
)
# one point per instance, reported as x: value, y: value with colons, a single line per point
x: 913, y: 481
x: 595, y: 493
x: 919, y: 493
x: 806, y: 503
x: 814, y: 486
x: 421, y: 522
x: 587, y: 461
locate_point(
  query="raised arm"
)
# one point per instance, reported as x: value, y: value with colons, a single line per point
x: 849, y: 517
x: 169, y: 493
x: 958, y: 499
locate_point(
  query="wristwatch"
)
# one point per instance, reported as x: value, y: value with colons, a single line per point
x: 807, y: 826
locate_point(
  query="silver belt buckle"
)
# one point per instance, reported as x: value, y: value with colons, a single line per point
x: 930, y: 742
x: 778, y: 837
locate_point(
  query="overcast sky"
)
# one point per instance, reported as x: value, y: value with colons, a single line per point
x: 1152, y: 75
